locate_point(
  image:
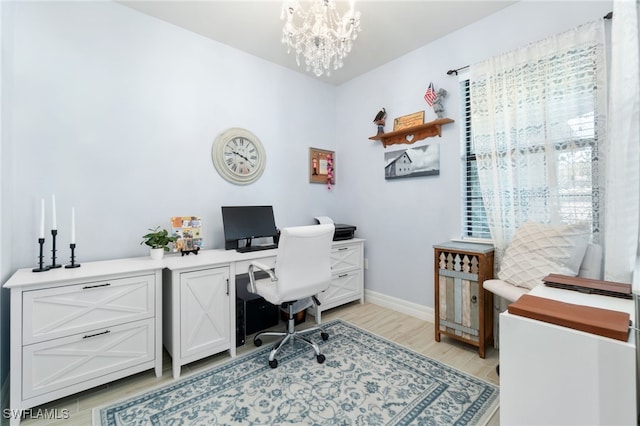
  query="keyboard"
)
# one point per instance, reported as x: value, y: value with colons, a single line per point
x: 256, y: 248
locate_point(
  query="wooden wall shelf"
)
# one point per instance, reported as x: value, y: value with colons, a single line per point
x: 412, y: 134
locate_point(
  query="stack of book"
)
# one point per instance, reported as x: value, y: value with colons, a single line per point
x: 587, y: 285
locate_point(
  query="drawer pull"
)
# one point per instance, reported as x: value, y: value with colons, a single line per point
x: 97, y: 334
x: 474, y: 299
x: 94, y: 286
x: 343, y: 248
x: 343, y: 275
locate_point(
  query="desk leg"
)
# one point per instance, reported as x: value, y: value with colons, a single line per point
x: 232, y: 309
x: 176, y: 353
x: 176, y: 370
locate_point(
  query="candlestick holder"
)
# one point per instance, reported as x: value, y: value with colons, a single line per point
x: 73, y: 263
x: 41, y: 267
x: 54, y: 265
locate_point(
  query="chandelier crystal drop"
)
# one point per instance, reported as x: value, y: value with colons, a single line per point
x: 317, y: 33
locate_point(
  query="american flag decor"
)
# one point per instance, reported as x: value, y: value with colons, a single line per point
x: 430, y: 94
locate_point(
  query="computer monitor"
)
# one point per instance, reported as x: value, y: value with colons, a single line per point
x: 247, y: 222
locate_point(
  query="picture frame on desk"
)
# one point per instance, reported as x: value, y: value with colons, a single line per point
x: 321, y: 162
x: 188, y: 231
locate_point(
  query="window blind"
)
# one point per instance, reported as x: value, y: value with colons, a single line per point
x: 474, y: 217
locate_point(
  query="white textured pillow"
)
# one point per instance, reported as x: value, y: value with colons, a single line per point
x: 538, y: 250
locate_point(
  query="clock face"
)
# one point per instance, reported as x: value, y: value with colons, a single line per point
x: 238, y: 155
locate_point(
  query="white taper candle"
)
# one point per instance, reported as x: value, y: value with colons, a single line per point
x: 42, y: 219
x: 73, y: 225
x: 53, y: 209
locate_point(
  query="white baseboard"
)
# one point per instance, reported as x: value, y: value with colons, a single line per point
x: 419, y: 311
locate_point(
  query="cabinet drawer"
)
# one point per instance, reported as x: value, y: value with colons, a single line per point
x: 344, y: 288
x: 345, y: 258
x: 55, y: 364
x: 62, y: 311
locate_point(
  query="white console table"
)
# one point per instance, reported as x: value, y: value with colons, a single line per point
x: 553, y: 375
x: 74, y: 329
x: 199, y: 296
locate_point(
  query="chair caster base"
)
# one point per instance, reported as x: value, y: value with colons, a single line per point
x: 324, y: 336
x: 273, y: 364
x: 320, y: 358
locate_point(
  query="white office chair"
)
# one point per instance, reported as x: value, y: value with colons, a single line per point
x: 303, y: 269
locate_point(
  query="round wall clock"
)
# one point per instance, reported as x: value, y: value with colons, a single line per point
x: 238, y: 155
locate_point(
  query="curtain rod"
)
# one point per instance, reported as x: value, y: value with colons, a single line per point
x: 455, y: 71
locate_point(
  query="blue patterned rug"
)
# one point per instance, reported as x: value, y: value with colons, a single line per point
x: 366, y: 380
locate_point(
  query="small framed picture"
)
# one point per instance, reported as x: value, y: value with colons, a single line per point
x: 188, y: 233
x: 407, y: 121
x: 322, y: 164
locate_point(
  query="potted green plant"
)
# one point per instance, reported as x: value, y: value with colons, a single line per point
x: 158, y: 241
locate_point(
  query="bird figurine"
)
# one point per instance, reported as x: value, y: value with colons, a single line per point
x: 379, y: 120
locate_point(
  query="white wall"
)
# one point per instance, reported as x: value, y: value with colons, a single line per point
x: 115, y: 113
x: 402, y: 219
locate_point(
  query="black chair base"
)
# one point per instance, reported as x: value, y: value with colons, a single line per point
x: 290, y: 335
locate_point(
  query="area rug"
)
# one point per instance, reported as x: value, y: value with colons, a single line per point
x: 365, y: 380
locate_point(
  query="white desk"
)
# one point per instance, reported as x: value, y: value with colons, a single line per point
x: 74, y: 329
x: 553, y: 375
x: 199, y: 296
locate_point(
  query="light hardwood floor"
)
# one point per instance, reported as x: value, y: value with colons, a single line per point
x: 403, y: 329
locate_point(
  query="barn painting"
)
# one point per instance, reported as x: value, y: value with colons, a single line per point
x: 412, y: 162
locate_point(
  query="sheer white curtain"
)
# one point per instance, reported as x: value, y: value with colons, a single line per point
x: 538, y: 124
x: 623, y: 155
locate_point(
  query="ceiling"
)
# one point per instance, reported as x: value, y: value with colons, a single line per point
x: 390, y: 29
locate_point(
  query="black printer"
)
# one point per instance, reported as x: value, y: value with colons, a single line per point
x: 343, y: 232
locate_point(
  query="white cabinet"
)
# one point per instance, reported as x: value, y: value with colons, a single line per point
x: 347, y: 283
x: 73, y: 329
x: 197, y: 314
x: 554, y: 375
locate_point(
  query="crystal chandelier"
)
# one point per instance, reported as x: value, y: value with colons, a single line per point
x: 317, y: 32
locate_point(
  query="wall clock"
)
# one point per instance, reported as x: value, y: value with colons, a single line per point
x: 238, y: 155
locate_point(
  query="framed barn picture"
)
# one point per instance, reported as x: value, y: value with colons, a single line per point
x: 412, y: 162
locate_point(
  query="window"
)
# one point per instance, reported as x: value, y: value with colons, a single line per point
x: 474, y: 217
x: 575, y: 167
